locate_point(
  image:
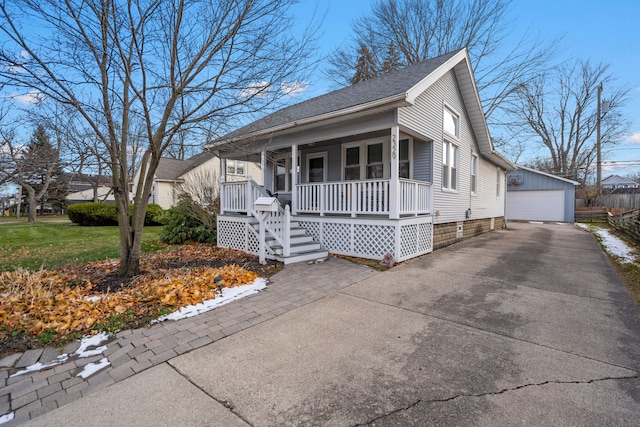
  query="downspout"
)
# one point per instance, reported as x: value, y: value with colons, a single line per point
x: 504, y: 221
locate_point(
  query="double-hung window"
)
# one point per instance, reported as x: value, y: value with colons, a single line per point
x: 375, y: 163
x: 404, y: 170
x: 449, y: 166
x: 498, y: 180
x: 352, y: 163
x: 474, y: 174
x: 451, y: 123
x: 235, y: 167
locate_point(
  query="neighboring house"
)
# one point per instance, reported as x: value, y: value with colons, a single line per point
x: 616, y: 181
x: 198, y: 176
x: 399, y: 164
x: 85, y: 188
x: 538, y: 196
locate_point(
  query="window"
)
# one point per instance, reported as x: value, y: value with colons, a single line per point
x: 235, y: 167
x: 280, y: 175
x: 498, y: 179
x: 474, y: 174
x: 317, y: 167
x: 375, y: 165
x: 352, y: 163
x: 451, y: 123
x: 365, y: 160
x: 449, y: 166
x: 404, y: 170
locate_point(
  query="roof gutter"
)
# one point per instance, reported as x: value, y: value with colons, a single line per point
x: 326, y: 116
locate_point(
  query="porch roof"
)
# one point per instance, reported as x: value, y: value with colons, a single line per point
x: 391, y: 90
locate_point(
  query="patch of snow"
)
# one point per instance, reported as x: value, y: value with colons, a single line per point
x: 91, y: 341
x: 616, y: 247
x: 87, y: 341
x: 92, y: 368
x: 35, y: 367
x: 228, y: 295
x: 536, y: 222
x: 93, y: 298
x: 6, y: 418
x: 583, y: 226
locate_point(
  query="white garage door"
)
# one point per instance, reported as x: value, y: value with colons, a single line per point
x: 547, y: 205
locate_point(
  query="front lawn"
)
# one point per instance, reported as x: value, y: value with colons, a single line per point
x: 54, y: 244
x: 60, y: 281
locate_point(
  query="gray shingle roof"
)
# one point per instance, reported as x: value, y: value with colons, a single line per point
x: 173, y: 169
x: 395, y: 82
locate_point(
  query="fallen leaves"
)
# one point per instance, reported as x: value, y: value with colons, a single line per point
x: 66, y: 301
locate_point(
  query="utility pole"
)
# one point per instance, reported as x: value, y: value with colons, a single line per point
x: 598, y: 150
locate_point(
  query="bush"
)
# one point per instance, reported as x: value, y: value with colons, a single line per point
x: 188, y: 222
x: 96, y: 214
x: 91, y: 214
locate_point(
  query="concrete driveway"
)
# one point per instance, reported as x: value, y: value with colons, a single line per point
x: 529, y: 325
x: 524, y: 326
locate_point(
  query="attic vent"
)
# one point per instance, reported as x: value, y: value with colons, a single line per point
x: 515, y: 179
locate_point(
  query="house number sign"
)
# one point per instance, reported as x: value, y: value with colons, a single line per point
x: 394, y: 144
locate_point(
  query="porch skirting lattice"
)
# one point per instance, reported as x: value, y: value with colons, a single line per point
x: 371, y: 238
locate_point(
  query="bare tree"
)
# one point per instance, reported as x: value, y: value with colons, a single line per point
x: 169, y: 65
x: 557, y: 111
x: 202, y: 184
x: 423, y: 29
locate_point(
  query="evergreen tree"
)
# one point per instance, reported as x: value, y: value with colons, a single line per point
x: 392, y: 59
x: 41, y: 174
x: 365, y: 68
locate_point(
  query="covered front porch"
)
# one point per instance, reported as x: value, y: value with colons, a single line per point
x: 366, y: 195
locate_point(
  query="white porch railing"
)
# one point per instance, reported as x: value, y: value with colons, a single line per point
x: 370, y: 197
x: 239, y: 197
x: 416, y: 197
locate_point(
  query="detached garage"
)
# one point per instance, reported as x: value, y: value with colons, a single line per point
x: 538, y: 196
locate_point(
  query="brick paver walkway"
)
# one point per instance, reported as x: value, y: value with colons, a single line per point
x: 132, y: 351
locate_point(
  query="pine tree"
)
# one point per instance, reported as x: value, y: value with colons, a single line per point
x: 365, y: 68
x: 42, y: 176
x: 392, y: 59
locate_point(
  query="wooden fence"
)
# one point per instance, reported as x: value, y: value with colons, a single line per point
x: 618, y: 201
x: 627, y: 223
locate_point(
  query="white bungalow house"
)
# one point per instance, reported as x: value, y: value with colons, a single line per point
x: 399, y: 164
x: 198, y: 175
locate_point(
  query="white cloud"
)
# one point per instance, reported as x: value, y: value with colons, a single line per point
x: 260, y: 89
x: 294, y: 88
x: 32, y: 97
x: 633, y: 138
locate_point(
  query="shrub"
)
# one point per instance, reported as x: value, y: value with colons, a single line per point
x: 96, y: 214
x: 188, y: 222
x: 91, y: 214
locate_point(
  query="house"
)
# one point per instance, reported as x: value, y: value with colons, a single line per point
x: 616, y: 181
x: 538, y: 196
x: 399, y: 164
x: 198, y: 175
x: 86, y: 188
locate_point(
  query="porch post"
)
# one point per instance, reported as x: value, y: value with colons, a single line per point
x: 263, y: 167
x: 294, y: 179
x: 394, y: 183
x: 222, y: 180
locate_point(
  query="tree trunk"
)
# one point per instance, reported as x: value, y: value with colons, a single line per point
x: 19, y: 202
x: 31, y: 197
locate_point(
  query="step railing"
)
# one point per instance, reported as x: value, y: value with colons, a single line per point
x: 277, y: 223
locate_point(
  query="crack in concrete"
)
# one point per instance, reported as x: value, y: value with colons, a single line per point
x: 226, y: 403
x: 493, y: 393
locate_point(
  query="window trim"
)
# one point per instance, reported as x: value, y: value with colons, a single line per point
x: 456, y: 115
x: 235, y: 167
x: 499, y: 186
x: 287, y: 174
x: 475, y: 167
x: 363, y: 144
x: 409, y: 153
x: 320, y: 154
x: 456, y: 162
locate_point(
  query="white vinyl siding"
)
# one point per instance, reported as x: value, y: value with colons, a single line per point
x: 426, y: 117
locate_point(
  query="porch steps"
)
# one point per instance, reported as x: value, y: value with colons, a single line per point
x: 303, y: 247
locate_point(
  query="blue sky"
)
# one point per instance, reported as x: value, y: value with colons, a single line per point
x: 599, y: 30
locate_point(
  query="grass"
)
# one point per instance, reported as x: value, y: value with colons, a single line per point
x: 629, y: 272
x: 55, y: 244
